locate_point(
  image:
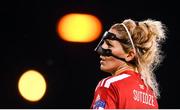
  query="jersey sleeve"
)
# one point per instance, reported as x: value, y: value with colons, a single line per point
x: 105, y: 98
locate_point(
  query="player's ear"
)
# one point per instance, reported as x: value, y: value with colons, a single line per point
x: 130, y: 55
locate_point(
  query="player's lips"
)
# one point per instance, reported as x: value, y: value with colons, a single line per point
x: 102, y: 59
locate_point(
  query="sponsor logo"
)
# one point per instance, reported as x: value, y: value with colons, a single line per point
x: 141, y: 86
x: 99, y: 104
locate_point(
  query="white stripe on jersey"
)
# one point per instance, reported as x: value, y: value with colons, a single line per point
x: 98, y: 85
x: 101, y: 83
x: 116, y: 78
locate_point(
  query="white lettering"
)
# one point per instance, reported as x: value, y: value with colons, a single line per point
x: 146, y: 97
x: 143, y: 97
x: 135, y: 96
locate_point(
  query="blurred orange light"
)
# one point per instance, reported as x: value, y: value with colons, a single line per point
x: 79, y: 27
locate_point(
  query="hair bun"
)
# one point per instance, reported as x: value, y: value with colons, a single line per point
x: 156, y: 28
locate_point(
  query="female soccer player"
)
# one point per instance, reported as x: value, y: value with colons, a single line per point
x: 130, y: 51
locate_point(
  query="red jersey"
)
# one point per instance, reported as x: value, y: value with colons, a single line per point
x: 125, y: 90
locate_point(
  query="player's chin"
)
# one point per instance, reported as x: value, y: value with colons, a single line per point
x: 104, y: 68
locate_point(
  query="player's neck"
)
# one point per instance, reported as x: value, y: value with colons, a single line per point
x: 123, y: 68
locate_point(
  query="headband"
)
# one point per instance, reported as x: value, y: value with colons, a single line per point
x: 129, y: 35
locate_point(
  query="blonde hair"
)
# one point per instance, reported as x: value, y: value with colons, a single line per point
x: 147, y: 36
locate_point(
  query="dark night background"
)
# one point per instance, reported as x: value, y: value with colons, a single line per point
x: 29, y: 41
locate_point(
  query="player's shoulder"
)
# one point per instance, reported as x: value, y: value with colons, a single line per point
x: 119, y: 79
x: 106, y: 82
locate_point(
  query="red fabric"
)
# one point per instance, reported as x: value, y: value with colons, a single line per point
x: 125, y: 90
